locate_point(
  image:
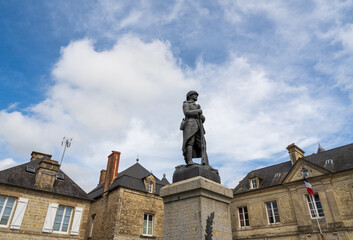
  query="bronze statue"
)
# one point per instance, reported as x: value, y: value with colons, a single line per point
x: 194, y: 144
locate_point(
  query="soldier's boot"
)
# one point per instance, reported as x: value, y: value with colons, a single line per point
x: 188, y: 157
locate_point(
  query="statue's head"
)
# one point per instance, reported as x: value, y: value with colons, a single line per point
x: 190, y: 93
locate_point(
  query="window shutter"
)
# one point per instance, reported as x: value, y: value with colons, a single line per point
x: 77, y: 221
x: 49, y: 220
x: 19, y: 213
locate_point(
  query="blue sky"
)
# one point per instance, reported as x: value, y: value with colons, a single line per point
x: 113, y: 75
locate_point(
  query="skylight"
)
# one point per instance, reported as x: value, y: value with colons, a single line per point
x: 60, y: 176
x: 30, y: 169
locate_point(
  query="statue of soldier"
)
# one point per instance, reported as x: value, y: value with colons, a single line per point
x: 194, y: 144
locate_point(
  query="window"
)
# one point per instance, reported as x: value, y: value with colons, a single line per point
x: 272, y: 212
x: 30, y: 169
x: 243, y: 217
x: 6, y: 207
x: 59, y: 217
x: 60, y: 176
x: 328, y: 162
x: 253, y: 183
x: 277, y: 175
x: 150, y: 187
x: 148, y: 225
x: 315, y: 206
x: 62, y: 219
x: 92, y: 225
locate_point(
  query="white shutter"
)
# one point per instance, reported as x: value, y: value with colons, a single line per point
x: 19, y: 213
x: 49, y: 220
x: 77, y: 221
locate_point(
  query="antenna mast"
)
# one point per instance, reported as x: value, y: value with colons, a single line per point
x: 67, y: 142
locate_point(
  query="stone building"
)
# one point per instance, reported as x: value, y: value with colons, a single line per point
x: 126, y: 204
x: 273, y: 202
x: 39, y: 201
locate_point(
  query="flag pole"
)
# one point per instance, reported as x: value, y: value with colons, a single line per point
x: 309, y: 188
x: 316, y: 212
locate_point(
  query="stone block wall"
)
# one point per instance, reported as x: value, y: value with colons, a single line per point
x: 336, y: 196
x: 343, y: 193
x: 119, y: 215
x: 196, y: 208
x: 35, y: 214
x: 255, y: 203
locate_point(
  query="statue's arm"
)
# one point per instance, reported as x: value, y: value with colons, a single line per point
x: 202, y: 118
x: 190, y: 113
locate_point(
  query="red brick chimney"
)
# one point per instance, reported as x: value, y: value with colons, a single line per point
x: 112, y: 169
x: 102, y: 176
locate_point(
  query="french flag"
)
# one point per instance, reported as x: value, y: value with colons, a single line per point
x: 309, y: 187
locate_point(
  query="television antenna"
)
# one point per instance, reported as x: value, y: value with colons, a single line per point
x: 67, y: 142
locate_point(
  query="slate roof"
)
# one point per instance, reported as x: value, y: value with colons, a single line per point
x: 131, y: 178
x: 342, y: 160
x: 18, y: 176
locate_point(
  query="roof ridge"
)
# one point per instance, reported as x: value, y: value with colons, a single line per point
x: 269, y: 166
x: 23, y: 164
x: 328, y: 150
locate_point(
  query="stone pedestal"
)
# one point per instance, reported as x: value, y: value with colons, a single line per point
x: 196, y: 208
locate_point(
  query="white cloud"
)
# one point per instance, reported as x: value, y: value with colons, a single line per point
x: 7, y: 163
x: 251, y: 116
x: 127, y: 99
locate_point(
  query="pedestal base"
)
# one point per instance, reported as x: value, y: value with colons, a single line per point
x: 184, y: 172
x: 196, y: 208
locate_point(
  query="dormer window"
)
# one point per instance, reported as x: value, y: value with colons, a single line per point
x: 150, y: 187
x: 254, y: 183
x: 277, y: 175
x: 328, y: 162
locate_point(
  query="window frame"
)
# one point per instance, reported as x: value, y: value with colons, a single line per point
x: 272, y: 213
x: 252, y: 185
x: 315, y: 209
x: 245, y: 221
x: 62, y: 220
x: 147, y: 225
x: 3, y: 209
x: 150, y: 187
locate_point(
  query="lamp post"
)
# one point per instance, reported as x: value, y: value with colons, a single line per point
x: 304, y: 172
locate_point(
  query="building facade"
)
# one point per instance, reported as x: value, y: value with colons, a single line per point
x: 126, y: 205
x: 273, y: 202
x: 39, y: 201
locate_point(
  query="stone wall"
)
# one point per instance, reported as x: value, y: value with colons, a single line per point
x: 255, y: 203
x: 35, y: 214
x: 119, y: 215
x: 336, y: 196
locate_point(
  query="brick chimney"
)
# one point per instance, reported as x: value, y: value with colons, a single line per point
x: 112, y: 169
x: 46, y: 174
x: 102, y: 176
x: 38, y: 155
x: 294, y: 153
